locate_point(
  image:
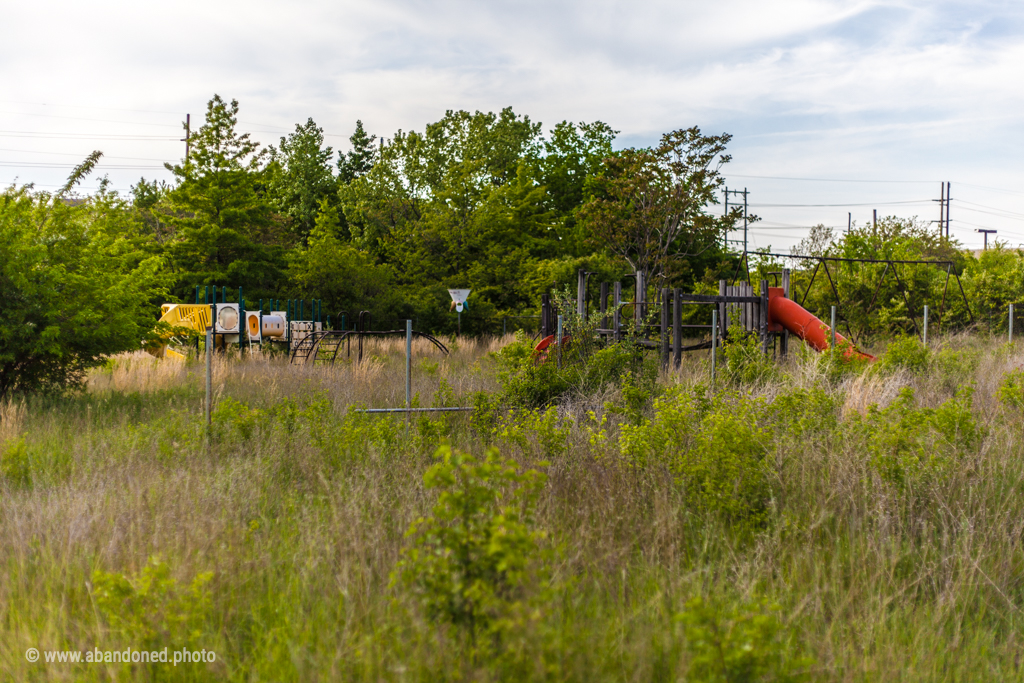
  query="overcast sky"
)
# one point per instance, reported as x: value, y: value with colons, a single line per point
x: 898, y: 96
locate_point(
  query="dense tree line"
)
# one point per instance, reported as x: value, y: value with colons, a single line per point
x: 488, y: 201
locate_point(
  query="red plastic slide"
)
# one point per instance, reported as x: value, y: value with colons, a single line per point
x: 787, y: 314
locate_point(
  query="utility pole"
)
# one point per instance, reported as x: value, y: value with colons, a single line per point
x: 849, y: 221
x: 949, y: 197
x: 188, y: 135
x: 745, y: 213
x: 942, y: 208
x: 874, y: 220
x: 986, y: 231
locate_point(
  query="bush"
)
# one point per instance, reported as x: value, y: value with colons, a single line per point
x: 905, y: 352
x: 529, y: 382
x: 151, y: 608
x: 1011, y: 389
x: 740, y: 643
x: 745, y: 359
x: 909, y: 445
x: 15, y: 467
x: 715, y: 449
x: 468, y: 563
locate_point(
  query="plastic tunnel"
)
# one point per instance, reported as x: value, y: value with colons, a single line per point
x: 788, y: 314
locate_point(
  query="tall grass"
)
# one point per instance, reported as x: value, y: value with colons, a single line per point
x: 298, y: 508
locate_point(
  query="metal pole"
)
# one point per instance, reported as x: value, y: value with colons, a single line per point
x: 924, y: 337
x: 209, y: 377
x: 714, y: 342
x: 408, y: 364
x: 833, y: 330
x: 558, y: 340
x: 1011, y: 323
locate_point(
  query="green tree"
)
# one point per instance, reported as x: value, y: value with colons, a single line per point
x: 360, y: 160
x: 345, y: 278
x: 301, y: 177
x: 572, y: 154
x: 73, y: 293
x: 225, y: 229
x: 649, y: 206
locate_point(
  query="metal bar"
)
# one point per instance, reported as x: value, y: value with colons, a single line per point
x: 924, y: 337
x: 411, y: 410
x: 839, y: 302
x: 807, y: 291
x: 906, y: 302
x: 1011, y: 324
x: 961, y: 286
x: 832, y: 331
x: 937, y: 262
x: 945, y: 288
x: 209, y: 379
x: 408, y: 364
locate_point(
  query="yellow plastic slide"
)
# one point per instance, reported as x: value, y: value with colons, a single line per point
x: 191, y: 316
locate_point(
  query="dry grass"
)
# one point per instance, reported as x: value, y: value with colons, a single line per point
x: 302, y: 525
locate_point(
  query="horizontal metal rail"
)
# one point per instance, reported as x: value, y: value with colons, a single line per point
x: 410, y: 410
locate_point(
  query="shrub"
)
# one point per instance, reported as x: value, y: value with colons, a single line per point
x: 909, y: 445
x: 905, y: 352
x: 715, y: 449
x: 1011, y: 389
x: 745, y: 359
x: 740, y: 643
x: 15, y: 465
x: 468, y: 563
x: 529, y: 383
x: 232, y: 418
x: 151, y: 607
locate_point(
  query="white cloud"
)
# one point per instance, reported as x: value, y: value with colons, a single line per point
x: 902, y: 90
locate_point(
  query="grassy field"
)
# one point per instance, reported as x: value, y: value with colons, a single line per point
x: 795, y: 522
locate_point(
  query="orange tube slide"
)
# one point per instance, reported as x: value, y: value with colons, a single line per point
x: 801, y: 322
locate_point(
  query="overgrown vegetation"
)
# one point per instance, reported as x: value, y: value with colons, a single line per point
x: 800, y: 524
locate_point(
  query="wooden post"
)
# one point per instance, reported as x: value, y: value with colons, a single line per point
x: 604, y: 305
x: 784, y: 341
x: 640, y: 297
x: 677, y: 328
x: 664, y: 327
x: 581, y: 294
x: 617, y: 311
x: 721, y: 317
x: 762, y: 318
x: 545, y: 313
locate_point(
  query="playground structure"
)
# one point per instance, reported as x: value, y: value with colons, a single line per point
x: 772, y: 315
x: 306, y: 340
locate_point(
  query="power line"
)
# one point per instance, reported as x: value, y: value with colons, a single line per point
x: 83, y: 106
x: 80, y: 156
x: 793, y: 206
x: 80, y: 136
x: 79, y: 118
x: 825, y: 180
